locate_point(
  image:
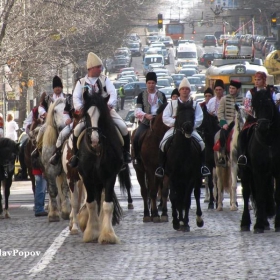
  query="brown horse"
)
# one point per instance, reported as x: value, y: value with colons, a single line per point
x: 145, y: 171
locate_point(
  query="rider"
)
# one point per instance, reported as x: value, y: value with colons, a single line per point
x: 97, y: 82
x: 66, y: 131
x: 175, y: 94
x: 43, y: 108
x: 169, y: 116
x: 147, y: 104
x: 226, y: 116
x: 260, y: 83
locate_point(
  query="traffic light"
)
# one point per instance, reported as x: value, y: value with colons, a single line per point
x: 160, y: 21
x: 273, y: 20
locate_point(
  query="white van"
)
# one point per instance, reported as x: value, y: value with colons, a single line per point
x: 187, y: 52
x: 150, y: 59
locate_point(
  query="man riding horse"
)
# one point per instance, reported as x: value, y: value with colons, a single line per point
x: 96, y: 83
x: 169, y: 116
x: 226, y: 116
x: 147, y: 104
x: 260, y: 83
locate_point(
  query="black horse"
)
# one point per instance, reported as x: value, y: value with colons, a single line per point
x: 100, y: 161
x: 207, y: 130
x: 9, y: 150
x: 183, y: 168
x: 263, y: 157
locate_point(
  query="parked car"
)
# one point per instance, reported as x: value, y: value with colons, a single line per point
x: 130, y: 89
x: 208, y: 57
x: 209, y: 40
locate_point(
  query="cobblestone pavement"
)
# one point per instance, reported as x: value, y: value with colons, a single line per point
x: 147, y: 251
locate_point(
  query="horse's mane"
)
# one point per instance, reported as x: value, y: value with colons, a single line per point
x: 188, y: 106
x: 50, y: 134
x: 6, y: 147
x: 6, y: 143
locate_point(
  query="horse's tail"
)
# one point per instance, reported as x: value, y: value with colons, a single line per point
x: 124, y: 180
x: 118, y: 212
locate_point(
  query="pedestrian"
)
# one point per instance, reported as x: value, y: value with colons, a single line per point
x: 40, y: 187
x: 169, y: 117
x: 11, y: 127
x: 208, y: 94
x: 1, y: 126
x: 122, y: 96
x: 226, y: 116
x: 97, y: 83
x: 146, y: 107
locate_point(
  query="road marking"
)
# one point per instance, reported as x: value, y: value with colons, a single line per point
x: 50, y: 253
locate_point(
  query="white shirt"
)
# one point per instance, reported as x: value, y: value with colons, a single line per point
x: 78, y: 92
x: 28, y: 120
x: 171, y: 110
x: 213, y: 105
x: 42, y: 110
x: 11, y: 130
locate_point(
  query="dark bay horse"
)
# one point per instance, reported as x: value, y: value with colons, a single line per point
x: 9, y: 150
x: 145, y: 171
x: 183, y: 166
x: 263, y: 157
x: 100, y: 161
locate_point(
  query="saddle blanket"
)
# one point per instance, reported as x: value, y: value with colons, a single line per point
x: 217, y: 145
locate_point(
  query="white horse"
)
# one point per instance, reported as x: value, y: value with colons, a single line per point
x: 56, y: 179
x: 226, y: 177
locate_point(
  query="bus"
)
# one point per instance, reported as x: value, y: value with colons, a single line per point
x: 151, y: 29
x: 175, y: 29
x: 241, y: 68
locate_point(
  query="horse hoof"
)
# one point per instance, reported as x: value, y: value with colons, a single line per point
x: 130, y: 206
x: 176, y: 226
x: 211, y: 206
x: 233, y: 208
x: 74, y: 232
x: 206, y: 200
x: 258, y: 230
x: 220, y: 208
x: 7, y: 215
x: 185, y: 228
x: 156, y: 219
x: 53, y: 219
x: 245, y: 228
x: 164, y: 219
x: 200, y: 223
x: 147, y: 219
x: 65, y: 216
x: 2, y: 216
x: 266, y: 227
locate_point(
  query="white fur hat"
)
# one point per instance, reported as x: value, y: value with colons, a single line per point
x: 93, y: 60
x: 185, y: 83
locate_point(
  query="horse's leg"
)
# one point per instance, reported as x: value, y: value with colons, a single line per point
x: 7, y: 184
x: 219, y: 188
x: 153, y: 186
x: 144, y: 193
x: 233, y: 202
x: 277, y: 202
x: 107, y: 233
x: 197, y: 191
x: 129, y: 199
x: 246, y: 219
x: 63, y: 190
x: 53, y: 215
x: 173, y: 200
x: 75, y: 208
x: 211, y: 188
x: 206, y: 185
x: 92, y: 230
x: 164, y: 196
x: 187, y: 204
x: 1, y: 206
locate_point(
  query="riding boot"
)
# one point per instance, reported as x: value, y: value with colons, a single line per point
x: 126, y: 149
x: 56, y: 156
x: 204, y: 169
x: 222, y: 157
x: 74, y: 160
x: 160, y: 170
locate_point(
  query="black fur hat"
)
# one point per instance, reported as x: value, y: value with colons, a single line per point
x: 151, y: 76
x: 219, y: 83
x: 235, y: 83
x: 209, y: 90
x: 175, y: 91
x: 57, y: 82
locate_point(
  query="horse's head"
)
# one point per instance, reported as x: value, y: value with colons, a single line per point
x: 240, y: 116
x: 55, y: 116
x: 264, y: 109
x: 185, y: 118
x: 92, y: 125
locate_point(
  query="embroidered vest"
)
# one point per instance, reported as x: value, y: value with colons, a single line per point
x: 101, y: 84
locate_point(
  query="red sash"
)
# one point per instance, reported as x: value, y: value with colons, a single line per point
x: 217, y: 145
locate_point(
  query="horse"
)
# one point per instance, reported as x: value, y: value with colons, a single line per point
x: 208, y: 129
x: 227, y: 176
x: 183, y: 169
x: 145, y: 171
x: 263, y: 163
x: 9, y: 150
x: 100, y: 161
x: 56, y: 179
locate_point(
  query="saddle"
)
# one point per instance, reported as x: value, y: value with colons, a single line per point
x: 217, y: 145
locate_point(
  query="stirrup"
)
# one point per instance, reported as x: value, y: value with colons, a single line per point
x: 159, y: 172
x: 242, y: 160
x: 205, y: 171
x: 54, y: 159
